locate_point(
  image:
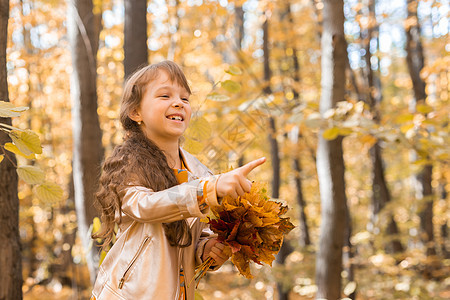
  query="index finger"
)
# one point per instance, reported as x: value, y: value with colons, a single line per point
x: 247, y: 168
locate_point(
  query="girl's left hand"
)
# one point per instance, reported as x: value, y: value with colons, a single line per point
x: 216, y: 250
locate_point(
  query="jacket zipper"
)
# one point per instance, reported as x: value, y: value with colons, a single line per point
x: 122, y: 280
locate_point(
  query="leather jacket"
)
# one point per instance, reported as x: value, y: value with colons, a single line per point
x: 141, y: 264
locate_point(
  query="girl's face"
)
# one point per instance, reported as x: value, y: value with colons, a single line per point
x: 164, y: 111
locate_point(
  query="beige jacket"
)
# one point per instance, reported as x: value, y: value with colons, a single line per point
x: 142, y: 264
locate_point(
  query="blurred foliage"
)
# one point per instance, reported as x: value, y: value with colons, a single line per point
x: 229, y: 124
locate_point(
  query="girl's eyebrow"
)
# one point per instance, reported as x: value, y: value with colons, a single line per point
x: 165, y: 87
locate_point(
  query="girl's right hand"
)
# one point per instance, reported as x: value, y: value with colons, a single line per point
x: 235, y: 182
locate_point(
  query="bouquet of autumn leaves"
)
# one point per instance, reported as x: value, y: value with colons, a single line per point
x: 252, y: 226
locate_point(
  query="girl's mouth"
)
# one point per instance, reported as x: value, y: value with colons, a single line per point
x: 175, y: 117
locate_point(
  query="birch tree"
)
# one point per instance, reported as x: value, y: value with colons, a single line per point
x: 330, y: 162
x: 83, y: 31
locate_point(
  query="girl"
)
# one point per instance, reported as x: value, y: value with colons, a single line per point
x: 157, y: 192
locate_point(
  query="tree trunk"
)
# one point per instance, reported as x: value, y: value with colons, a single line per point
x: 135, y: 35
x: 274, y: 150
x: 348, y: 256
x: 304, y: 230
x: 415, y: 62
x: 330, y: 161
x: 10, y: 256
x: 239, y: 26
x: 305, y: 240
x: 83, y: 31
x: 174, y: 37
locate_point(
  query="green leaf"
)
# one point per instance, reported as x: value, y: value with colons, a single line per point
x: 13, y: 148
x: 49, y: 192
x: 331, y: 133
x: 217, y: 97
x: 7, y: 110
x: 233, y: 70
x: 31, y: 174
x: 231, y: 86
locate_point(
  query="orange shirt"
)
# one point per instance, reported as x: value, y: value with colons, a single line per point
x: 182, y: 176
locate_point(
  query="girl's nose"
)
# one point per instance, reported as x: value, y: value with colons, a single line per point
x: 178, y: 103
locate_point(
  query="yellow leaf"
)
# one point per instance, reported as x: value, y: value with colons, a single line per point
x: 8, y: 110
x: 406, y: 128
x: 233, y: 70
x: 27, y: 141
x: 102, y: 257
x: 331, y: 133
x: 1, y: 157
x: 199, y: 129
x: 423, y: 108
x: 231, y: 86
x: 96, y: 225
x: 193, y: 146
x: 345, y: 131
x: 31, y: 140
x: 13, y: 148
x: 31, y: 174
x: 404, y: 118
x: 217, y: 97
x: 368, y: 140
x: 49, y: 192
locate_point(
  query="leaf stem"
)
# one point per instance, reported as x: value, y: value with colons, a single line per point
x: 10, y: 127
x: 7, y: 156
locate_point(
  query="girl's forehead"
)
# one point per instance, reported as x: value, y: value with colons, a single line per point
x: 163, y: 80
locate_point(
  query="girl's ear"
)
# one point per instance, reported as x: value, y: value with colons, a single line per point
x: 135, y: 115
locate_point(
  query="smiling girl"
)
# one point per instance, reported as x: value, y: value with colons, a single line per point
x: 156, y: 193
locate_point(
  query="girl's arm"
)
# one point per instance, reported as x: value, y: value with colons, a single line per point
x: 176, y: 203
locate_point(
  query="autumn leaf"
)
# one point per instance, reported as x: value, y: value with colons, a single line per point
x: 252, y: 226
x: 13, y: 148
x: 49, y: 192
x: 217, y: 97
x: 233, y: 70
x: 27, y: 141
x: 8, y: 110
x: 331, y: 133
x: 231, y: 86
x: 31, y: 174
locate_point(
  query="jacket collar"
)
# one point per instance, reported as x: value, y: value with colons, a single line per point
x: 194, y: 165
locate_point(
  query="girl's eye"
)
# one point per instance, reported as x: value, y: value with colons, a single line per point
x: 185, y: 99
x: 164, y: 96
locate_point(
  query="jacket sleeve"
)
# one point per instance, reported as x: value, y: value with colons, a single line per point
x: 176, y: 203
x: 205, y: 236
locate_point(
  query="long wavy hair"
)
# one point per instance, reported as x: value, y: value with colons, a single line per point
x: 138, y: 161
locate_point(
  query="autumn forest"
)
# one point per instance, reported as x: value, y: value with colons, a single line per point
x: 349, y: 101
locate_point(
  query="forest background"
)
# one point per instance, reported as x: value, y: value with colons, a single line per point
x: 349, y: 100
